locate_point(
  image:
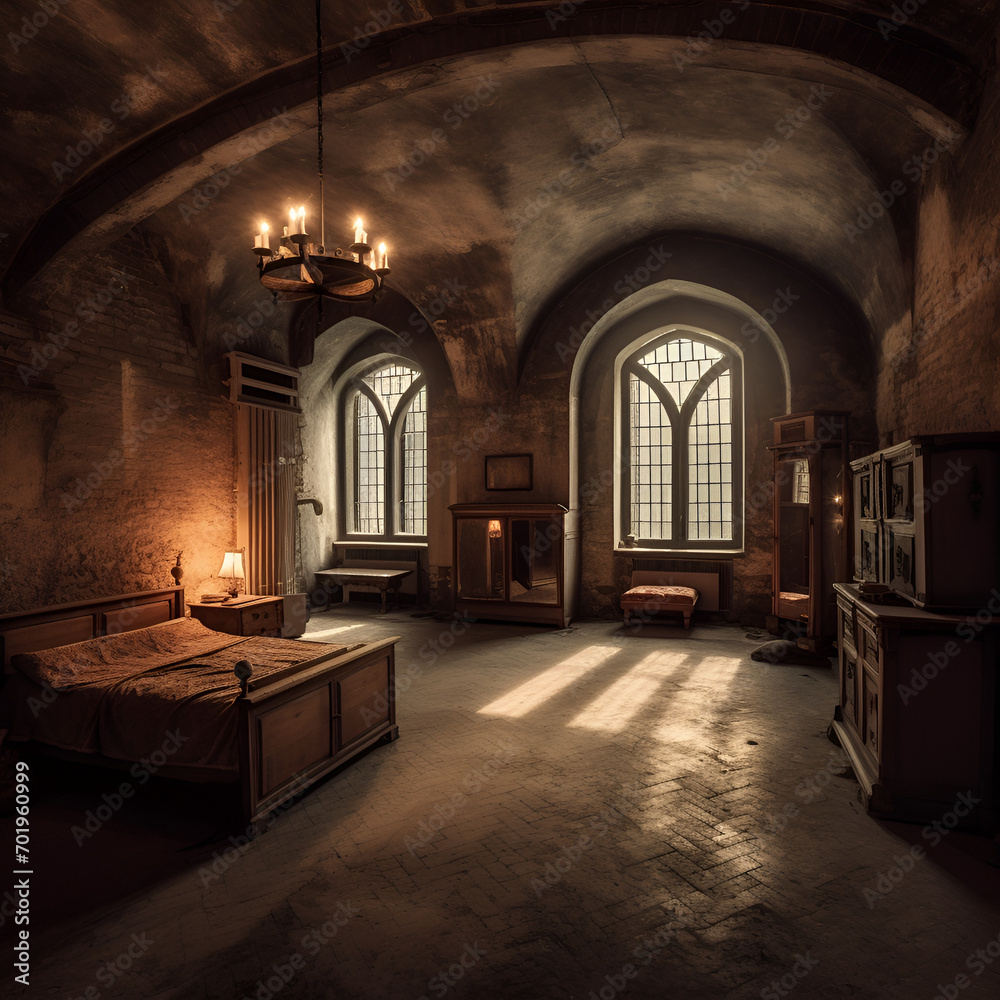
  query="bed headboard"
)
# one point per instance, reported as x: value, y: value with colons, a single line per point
x: 43, y: 628
x: 707, y: 584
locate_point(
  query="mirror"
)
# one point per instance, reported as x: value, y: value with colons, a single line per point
x: 480, y: 559
x: 533, y: 561
x: 792, y: 585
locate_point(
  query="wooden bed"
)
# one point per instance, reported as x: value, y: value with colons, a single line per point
x: 661, y: 590
x: 294, y: 724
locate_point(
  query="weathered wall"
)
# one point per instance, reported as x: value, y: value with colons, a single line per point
x: 829, y: 357
x: 118, y: 440
x: 939, y: 373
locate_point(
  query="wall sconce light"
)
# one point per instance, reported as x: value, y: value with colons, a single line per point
x: 493, y: 530
x: 232, y: 570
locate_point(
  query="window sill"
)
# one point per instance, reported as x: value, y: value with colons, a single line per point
x: 380, y: 542
x: 641, y: 553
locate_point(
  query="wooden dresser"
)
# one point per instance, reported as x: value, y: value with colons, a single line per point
x: 918, y: 707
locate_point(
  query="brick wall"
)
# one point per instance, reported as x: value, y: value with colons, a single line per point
x: 939, y: 368
x: 118, y: 439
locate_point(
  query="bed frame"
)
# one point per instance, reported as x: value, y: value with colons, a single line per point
x: 295, y: 726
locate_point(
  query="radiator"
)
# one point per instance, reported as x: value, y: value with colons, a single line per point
x: 723, y: 568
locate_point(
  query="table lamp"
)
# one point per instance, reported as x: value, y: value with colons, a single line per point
x: 232, y: 570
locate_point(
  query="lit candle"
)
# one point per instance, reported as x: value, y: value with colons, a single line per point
x: 264, y: 240
x: 359, y: 233
x: 302, y: 220
x: 383, y: 255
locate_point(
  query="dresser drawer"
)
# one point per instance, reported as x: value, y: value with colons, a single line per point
x: 256, y: 619
x: 845, y: 631
x: 849, y: 688
x: 870, y: 710
x: 868, y: 645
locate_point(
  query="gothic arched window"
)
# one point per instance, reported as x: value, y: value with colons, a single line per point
x: 680, y: 412
x: 385, y: 424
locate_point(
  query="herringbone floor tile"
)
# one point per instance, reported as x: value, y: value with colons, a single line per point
x: 697, y: 840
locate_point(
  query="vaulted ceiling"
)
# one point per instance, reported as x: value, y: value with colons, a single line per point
x: 502, y: 150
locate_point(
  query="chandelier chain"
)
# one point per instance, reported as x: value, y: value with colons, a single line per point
x: 319, y: 114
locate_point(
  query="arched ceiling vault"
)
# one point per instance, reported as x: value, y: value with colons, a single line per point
x: 502, y: 150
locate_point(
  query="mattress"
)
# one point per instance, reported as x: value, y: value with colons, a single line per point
x: 168, y: 687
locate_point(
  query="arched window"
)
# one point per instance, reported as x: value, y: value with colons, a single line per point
x: 385, y: 434
x: 680, y: 407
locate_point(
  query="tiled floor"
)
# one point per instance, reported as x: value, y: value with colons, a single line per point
x: 567, y: 814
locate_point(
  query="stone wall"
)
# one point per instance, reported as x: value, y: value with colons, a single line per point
x: 118, y: 440
x: 939, y: 368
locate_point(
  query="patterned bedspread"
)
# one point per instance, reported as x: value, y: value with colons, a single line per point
x: 128, y: 696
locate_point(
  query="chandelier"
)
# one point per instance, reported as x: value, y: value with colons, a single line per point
x: 300, y: 266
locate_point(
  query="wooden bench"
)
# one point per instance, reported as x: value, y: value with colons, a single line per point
x: 383, y: 580
x: 665, y: 590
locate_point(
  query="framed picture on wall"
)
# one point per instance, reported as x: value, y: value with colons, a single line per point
x: 508, y: 472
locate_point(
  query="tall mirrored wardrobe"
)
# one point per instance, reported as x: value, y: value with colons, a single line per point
x: 810, y: 545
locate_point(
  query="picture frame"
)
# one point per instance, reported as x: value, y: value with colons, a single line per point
x: 508, y: 472
x: 899, y: 501
x: 902, y: 564
x: 868, y: 555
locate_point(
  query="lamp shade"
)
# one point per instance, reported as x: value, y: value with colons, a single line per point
x: 232, y: 566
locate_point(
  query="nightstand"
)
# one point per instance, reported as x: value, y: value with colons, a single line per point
x: 246, y: 615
